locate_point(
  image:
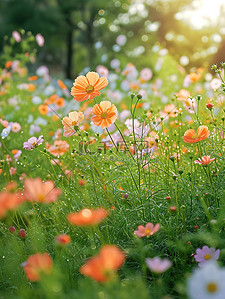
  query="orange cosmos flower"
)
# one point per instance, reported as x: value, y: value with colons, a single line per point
x: 8, y: 64
x: 194, y: 77
x: 134, y: 86
x: 58, y: 148
x: 102, y: 266
x: 205, y: 160
x: 74, y: 119
x: 183, y: 95
x: 52, y: 99
x: 43, y: 109
x: 43, y: 192
x: 87, y: 217
x: 36, y: 265
x: 148, y: 230
x: 55, y: 117
x: 88, y: 87
x: 105, y: 114
x: 31, y: 87
x: 191, y: 136
x: 170, y: 110
x: 185, y: 150
x: 9, y: 200
x: 32, y: 78
x: 60, y: 102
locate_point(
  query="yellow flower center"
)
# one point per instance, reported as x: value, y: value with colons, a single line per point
x: 89, y: 88
x: 86, y: 213
x: 207, y: 257
x: 195, y: 136
x: 74, y: 123
x: 104, y: 115
x: 187, y: 103
x: 212, y: 287
x: 147, y: 231
x: 41, y: 197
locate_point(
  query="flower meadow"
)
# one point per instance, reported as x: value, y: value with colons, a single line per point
x: 112, y: 186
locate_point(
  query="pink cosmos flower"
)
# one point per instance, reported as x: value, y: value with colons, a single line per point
x: 8, y: 158
x: 16, y: 36
x: 15, y: 127
x: 40, y: 40
x: 121, y: 40
x: 158, y: 265
x: 33, y: 142
x: 205, y: 160
x: 102, y: 71
x: 183, y: 95
x: 12, y: 170
x: 146, y: 74
x: 148, y: 230
x: 187, y: 81
x: 141, y: 131
x: 190, y: 105
x: 215, y: 84
x: 74, y: 119
x: 4, y: 122
x: 129, y: 124
x: 23, y: 176
x: 206, y: 254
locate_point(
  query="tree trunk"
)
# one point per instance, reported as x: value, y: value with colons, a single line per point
x: 91, y: 41
x: 69, y: 62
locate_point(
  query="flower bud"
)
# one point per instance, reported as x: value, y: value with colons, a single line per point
x: 62, y: 239
x: 126, y: 195
x: 209, y: 106
x: 81, y: 182
x: 12, y: 229
x: 168, y: 198
x: 22, y: 233
x: 173, y: 209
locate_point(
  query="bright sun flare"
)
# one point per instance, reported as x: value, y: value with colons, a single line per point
x: 203, y: 13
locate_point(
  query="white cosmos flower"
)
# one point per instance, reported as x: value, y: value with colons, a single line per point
x: 207, y: 282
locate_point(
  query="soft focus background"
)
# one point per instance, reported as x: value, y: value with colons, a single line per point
x: 81, y: 34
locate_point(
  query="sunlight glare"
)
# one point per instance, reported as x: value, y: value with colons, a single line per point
x: 204, y: 13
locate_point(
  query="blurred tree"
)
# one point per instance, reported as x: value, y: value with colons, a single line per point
x: 61, y: 22
x: 81, y: 33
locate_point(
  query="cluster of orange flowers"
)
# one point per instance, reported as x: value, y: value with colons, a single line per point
x: 101, y: 267
x: 86, y: 88
x: 53, y: 99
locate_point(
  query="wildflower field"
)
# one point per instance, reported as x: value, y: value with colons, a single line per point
x: 112, y: 184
